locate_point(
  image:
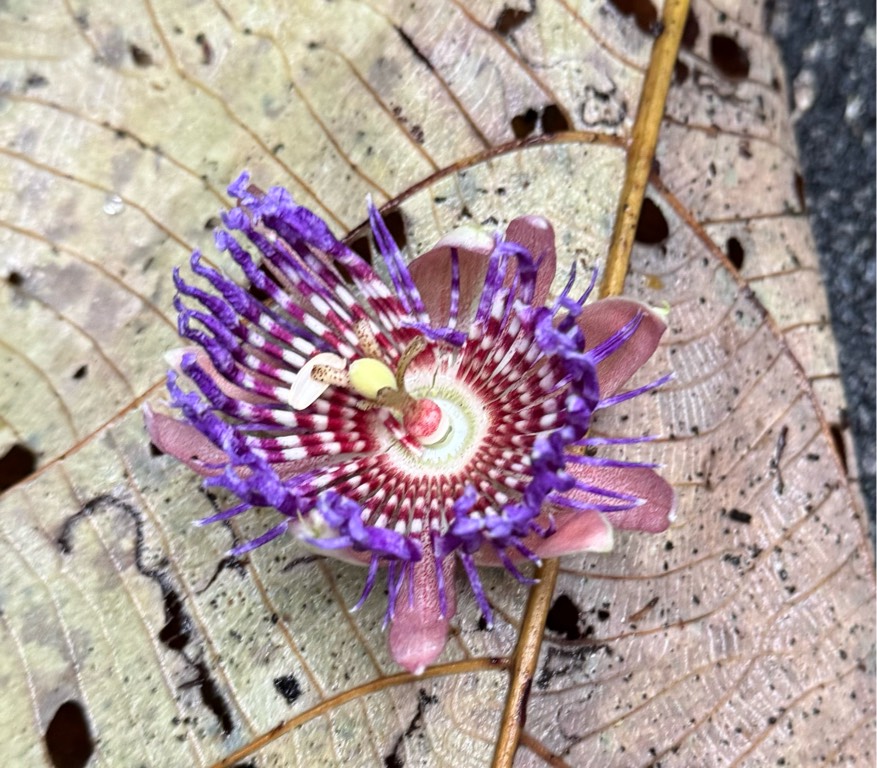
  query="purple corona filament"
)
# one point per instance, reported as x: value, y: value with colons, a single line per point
x: 408, y: 425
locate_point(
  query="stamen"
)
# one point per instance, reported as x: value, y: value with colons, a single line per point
x: 411, y: 351
x: 306, y: 389
x: 367, y: 339
x: 326, y: 374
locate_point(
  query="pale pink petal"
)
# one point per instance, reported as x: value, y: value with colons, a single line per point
x: 184, y: 442
x: 600, y: 320
x: 419, y: 631
x: 432, y: 270
x: 537, y: 235
x: 654, y: 515
x: 574, y: 532
x: 431, y: 273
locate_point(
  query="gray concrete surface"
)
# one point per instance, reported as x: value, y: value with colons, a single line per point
x: 829, y: 51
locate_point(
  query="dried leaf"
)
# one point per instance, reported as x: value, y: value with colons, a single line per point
x: 742, y: 636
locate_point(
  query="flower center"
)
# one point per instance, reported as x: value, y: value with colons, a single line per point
x: 465, y: 430
x: 373, y: 380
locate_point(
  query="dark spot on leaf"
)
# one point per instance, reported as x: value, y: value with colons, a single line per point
x: 563, y: 618
x: 175, y: 614
x: 523, y: 125
x: 728, y: 57
x: 212, y: 223
x: 175, y: 632
x: 424, y: 700
x: 799, y: 191
x: 643, y: 11
x: 735, y: 252
x: 68, y: 739
x: 510, y: 19
x: 16, y: 464
x: 681, y: 72
x: 837, y: 436
x: 603, y: 615
x: 35, y: 80
x: 141, y: 57
x: 652, y: 228
x: 15, y: 279
x: 482, y: 624
x: 396, y: 224
x: 212, y: 698
x: 206, y: 49
x: 739, y: 516
x: 81, y: 372
x: 288, y: 687
x: 553, y: 120
x: 423, y: 58
x: 691, y: 31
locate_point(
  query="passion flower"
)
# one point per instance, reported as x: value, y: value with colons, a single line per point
x: 437, y: 414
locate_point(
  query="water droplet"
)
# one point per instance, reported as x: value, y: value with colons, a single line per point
x: 113, y: 205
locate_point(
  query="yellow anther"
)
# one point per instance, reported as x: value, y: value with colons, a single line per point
x: 369, y: 376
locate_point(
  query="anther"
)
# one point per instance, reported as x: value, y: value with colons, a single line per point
x: 367, y: 339
x: 328, y: 375
x: 306, y: 389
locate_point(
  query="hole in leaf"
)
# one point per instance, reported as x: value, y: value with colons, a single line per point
x: 68, y: 739
x: 140, y: 56
x: 643, y: 11
x: 681, y: 72
x: 255, y: 291
x: 691, y: 31
x: 553, y: 120
x: 15, y: 279
x: 524, y: 125
x: 396, y: 224
x: 510, y: 19
x: 729, y: 58
x: 837, y: 436
x: 155, y: 451
x: 799, y: 191
x: 652, y: 228
x: 735, y: 252
x: 360, y: 246
x: 563, y: 618
x: 81, y: 372
x: 288, y: 687
x: 16, y: 464
x: 212, y: 223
